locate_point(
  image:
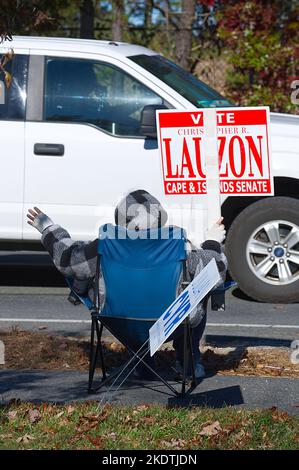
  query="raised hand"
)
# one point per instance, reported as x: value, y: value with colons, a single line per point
x: 38, y: 219
x: 217, y: 232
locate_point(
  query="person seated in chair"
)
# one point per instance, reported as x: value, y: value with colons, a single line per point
x: 138, y: 210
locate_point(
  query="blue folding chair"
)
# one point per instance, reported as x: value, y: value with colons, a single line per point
x: 142, y: 272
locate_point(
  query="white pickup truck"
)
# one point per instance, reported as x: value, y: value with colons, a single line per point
x: 77, y: 128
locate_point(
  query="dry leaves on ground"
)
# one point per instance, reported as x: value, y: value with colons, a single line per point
x: 25, y: 439
x: 11, y: 415
x: 54, y: 352
x: 175, y: 444
x: 33, y: 415
x: 211, y: 429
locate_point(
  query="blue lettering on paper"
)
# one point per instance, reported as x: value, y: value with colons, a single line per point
x: 176, y: 311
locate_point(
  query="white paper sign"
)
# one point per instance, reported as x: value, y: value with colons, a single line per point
x: 183, y: 305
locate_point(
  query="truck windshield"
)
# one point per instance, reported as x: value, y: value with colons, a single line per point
x: 195, y: 91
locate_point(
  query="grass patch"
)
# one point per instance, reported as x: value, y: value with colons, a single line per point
x: 84, y: 426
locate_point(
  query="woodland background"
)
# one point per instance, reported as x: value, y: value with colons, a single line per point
x: 247, y: 50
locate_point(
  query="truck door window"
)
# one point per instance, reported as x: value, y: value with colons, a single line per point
x: 13, y: 96
x: 79, y: 90
x: 186, y: 84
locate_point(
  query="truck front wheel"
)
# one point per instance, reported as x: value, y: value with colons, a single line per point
x: 263, y: 250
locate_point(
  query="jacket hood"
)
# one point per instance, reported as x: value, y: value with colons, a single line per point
x: 140, y: 210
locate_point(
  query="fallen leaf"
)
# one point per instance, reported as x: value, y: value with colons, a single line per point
x: 98, y: 417
x: 26, y: 438
x: 211, y: 429
x: 33, y: 415
x: 115, y: 347
x: 59, y: 414
x: 148, y: 420
x: 193, y: 416
x: 48, y: 430
x: 175, y: 422
x: 49, y: 408
x: 88, y: 422
x: 64, y: 422
x: 240, y: 434
x: 165, y: 443
x: 112, y: 436
x: 96, y: 441
x: 142, y: 407
x: 174, y: 443
x: 11, y: 415
x: 70, y: 409
x: 274, y: 367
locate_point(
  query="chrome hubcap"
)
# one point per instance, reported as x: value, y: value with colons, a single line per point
x: 273, y: 252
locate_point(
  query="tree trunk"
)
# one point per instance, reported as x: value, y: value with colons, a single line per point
x: 117, y: 20
x: 183, y: 37
x: 86, y: 19
x: 148, y: 9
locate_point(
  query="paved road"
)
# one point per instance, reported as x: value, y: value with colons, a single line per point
x: 33, y: 296
x: 214, y: 391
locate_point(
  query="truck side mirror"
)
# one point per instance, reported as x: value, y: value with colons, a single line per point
x: 148, y: 126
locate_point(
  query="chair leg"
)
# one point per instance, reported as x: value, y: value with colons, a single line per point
x: 100, y: 347
x: 191, y: 353
x: 188, y: 351
x: 138, y: 355
x: 93, y: 353
x: 140, y: 359
x: 185, y: 361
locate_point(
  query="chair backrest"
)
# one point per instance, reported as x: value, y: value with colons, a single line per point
x: 141, y: 271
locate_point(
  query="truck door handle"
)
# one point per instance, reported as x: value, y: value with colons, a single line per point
x: 55, y: 150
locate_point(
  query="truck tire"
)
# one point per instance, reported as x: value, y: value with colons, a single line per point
x: 262, y: 248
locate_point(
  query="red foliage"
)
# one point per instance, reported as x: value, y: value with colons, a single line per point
x: 207, y: 3
x: 261, y: 37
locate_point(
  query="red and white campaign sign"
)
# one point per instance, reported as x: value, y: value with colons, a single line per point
x: 243, y: 151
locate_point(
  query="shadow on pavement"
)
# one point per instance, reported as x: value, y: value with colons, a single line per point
x: 239, y: 294
x: 222, y: 341
x: 228, y: 396
x: 39, y: 386
x: 61, y: 387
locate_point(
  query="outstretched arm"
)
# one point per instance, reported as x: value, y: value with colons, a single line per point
x: 198, y: 258
x: 72, y: 258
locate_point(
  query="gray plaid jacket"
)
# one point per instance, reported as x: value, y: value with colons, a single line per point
x: 78, y: 259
